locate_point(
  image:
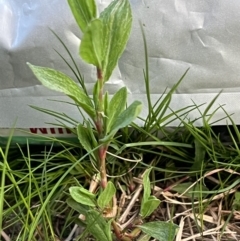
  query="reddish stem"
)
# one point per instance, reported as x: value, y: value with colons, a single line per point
x: 99, y: 74
x: 102, y: 159
x: 116, y: 230
x: 102, y: 151
x: 100, y: 128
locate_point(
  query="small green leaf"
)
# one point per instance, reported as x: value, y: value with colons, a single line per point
x: 87, y: 138
x: 116, y: 106
x: 124, y: 119
x: 146, y: 185
x: 91, y: 46
x: 159, y: 230
x: 98, y: 226
x: 149, y: 206
x: 80, y: 208
x: 58, y: 81
x: 149, y: 203
x: 127, y: 116
x: 83, y: 196
x: 106, y: 195
x: 193, y: 192
x: 83, y: 11
x: 117, y: 23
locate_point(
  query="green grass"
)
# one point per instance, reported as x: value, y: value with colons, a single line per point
x: 35, y: 179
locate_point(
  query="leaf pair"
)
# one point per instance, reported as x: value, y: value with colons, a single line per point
x: 85, y: 197
x: 159, y: 230
x: 149, y: 203
x: 104, y: 38
x: 117, y: 116
x: 95, y: 223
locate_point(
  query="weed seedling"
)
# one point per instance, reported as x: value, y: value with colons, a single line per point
x: 104, y: 40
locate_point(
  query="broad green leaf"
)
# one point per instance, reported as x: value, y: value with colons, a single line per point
x: 149, y: 206
x: 127, y: 116
x: 98, y: 226
x: 116, y: 106
x: 58, y: 81
x: 159, y: 230
x: 87, y: 138
x: 83, y: 138
x: 91, y: 46
x: 84, y: 11
x: 124, y: 119
x: 117, y: 23
x: 106, y: 195
x: 193, y: 192
x: 83, y: 196
x: 80, y: 208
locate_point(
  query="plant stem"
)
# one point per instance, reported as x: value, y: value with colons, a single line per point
x: 118, y: 233
x: 100, y: 128
x: 102, y: 164
x: 99, y: 105
x: 116, y: 230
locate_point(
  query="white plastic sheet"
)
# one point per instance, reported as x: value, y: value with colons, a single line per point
x: 201, y: 35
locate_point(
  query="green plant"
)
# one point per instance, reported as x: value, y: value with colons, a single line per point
x: 104, y: 39
x: 102, y: 44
